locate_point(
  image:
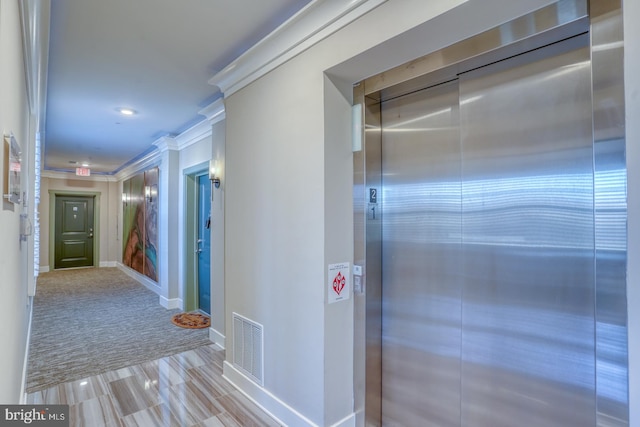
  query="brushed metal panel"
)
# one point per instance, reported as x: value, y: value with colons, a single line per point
x: 528, y: 350
x: 420, y: 268
x: 610, y: 186
x: 373, y: 263
x: 557, y: 21
x: 522, y: 342
x: 359, y: 253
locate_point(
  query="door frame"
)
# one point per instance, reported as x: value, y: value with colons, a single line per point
x: 190, y: 292
x: 432, y: 69
x: 52, y: 224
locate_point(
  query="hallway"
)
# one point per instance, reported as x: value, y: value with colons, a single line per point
x: 186, y: 389
x: 321, y: 229
x: 93, y: 320
x: 89, y: 349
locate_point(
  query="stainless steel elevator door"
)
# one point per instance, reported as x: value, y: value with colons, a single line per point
x: 488, y: 247
x: 528, y: 346
x: 421, y: 259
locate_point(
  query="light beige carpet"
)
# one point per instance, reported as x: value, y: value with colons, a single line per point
x: 90, y: 321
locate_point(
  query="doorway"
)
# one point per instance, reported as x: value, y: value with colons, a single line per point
x: 197, y: 214
x: 203, y: 242
x: 487, y: 247
x: 74, y: 234
x: 494, y: 247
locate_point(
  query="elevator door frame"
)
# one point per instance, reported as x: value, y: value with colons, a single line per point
x: 602, y: 19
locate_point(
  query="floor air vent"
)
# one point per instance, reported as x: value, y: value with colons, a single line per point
x: 247, y: 347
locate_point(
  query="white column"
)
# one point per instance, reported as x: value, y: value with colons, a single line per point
x: 168, y: 244
x: 215, y: 114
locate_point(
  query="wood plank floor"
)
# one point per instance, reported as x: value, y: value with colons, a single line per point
x: 183, y: 390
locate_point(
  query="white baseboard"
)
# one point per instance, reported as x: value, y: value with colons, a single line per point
x: 171, y: 303
x: 140, y: 278
x: 217, y: 338
x: 46, y: 268
x: 276, y: 408
x: 348, y: 421
x: 23, y: 386
x: 108, y: 263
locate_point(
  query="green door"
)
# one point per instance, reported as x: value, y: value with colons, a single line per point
x: 74, y: 231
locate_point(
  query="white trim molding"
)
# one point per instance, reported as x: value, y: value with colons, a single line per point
x: 25, y: 364
x: 348, y: 421
x: 315, y: 22
x: 194, y: 134
x: 276, y: 408
x: 35, y: 37
x: 70, y: 175
x: 198, y: 132
x: 140, y: 278
x: 108, y: 264
x: 166, y: 143
x: 150, y: 160
x: 214, y: 112
x: 171, y: 303
x: 217, y: 337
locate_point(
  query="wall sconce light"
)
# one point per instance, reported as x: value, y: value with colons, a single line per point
x: 213, y: 173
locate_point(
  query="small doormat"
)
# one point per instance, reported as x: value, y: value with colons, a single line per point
x: 191, y: 320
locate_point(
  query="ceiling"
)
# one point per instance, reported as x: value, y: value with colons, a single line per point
x: 152, y: 56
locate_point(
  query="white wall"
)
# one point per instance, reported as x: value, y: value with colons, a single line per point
x: 195, y: 154
x: 631, y: 10
x: 110, y: 244
x: 14, y: 303
x: 338, y: 205
x: 218, y: 333
x: 275, y: 229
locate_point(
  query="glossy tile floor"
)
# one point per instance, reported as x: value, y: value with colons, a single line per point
x: 183, y: 390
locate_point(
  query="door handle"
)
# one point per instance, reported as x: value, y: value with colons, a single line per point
x: 90, y: 235
x: 198, y: 251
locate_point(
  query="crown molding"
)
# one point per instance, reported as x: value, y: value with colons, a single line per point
x: 35, y: 17
x: 315, y: 22
x: 70, y: 175
x: 166, y: 143
x: 194, y: 134
x: 214, y: 112
x: 149, y: 160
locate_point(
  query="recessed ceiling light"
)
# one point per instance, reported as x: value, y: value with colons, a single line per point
x: 127, y: 111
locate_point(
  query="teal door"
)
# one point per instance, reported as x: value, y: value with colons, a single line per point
x: 73, y: 231
x: 204, y: 244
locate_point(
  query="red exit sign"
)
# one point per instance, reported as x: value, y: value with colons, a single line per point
x: 83, y: 171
